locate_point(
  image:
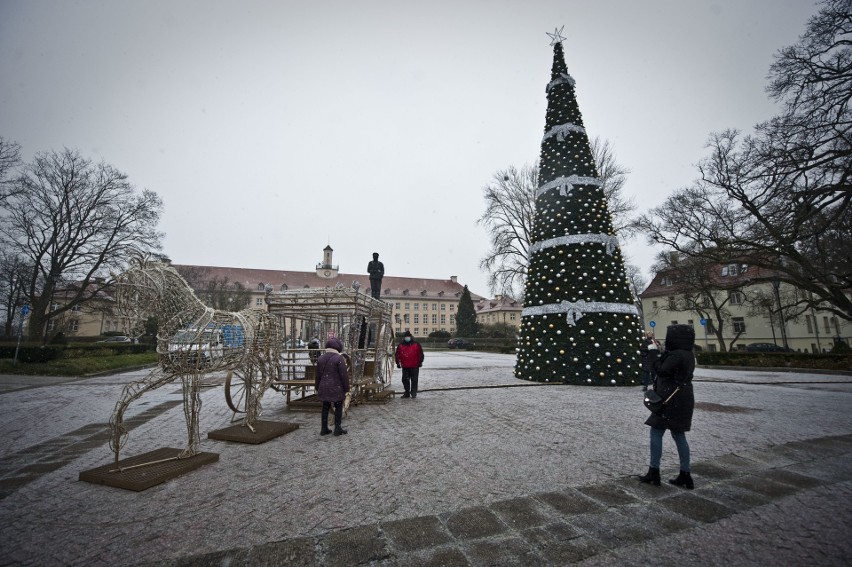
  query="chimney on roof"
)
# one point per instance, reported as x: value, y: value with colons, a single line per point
x: 454, y: 279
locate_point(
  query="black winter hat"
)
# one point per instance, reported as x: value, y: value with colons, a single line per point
x: 407, y: 334
x: 680, y: 337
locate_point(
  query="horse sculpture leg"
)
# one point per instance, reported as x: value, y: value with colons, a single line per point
x: 191, y: 409
x: 133, y: 391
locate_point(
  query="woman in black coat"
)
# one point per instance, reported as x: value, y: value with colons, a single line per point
x: 673, y: 372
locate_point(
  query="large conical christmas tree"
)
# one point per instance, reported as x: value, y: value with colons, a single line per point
x: 579, y: 324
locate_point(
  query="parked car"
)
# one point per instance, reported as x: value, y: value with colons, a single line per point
x: 298, y: 344
x: 766, y: 347
x: 460, y: 343
x: 117, y: 339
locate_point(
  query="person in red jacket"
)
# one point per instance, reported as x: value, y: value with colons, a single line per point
x: 409, y: 357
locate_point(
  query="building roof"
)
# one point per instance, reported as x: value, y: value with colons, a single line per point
x: 720, y: 276
x: 499, y: 303
x: 392, y: 286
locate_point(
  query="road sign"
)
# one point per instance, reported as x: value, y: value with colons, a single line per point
x: 703, y: 322
x: 25, y: 309
x: 652, y: 324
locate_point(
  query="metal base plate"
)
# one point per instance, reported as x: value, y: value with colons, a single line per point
x: 157, y: 467
x: 263, y: 431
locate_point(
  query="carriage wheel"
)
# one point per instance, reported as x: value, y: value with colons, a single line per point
x: 236, y: 394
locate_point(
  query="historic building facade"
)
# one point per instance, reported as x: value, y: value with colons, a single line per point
x: 752, y: 306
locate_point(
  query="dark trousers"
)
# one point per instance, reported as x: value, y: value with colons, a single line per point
x: 338, y: 414
x: 376, y: 287
x: 409, y: 380
x: 647, y: 378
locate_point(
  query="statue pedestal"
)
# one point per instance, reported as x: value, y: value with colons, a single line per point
x: 263, y: 432
x: 148, y: 469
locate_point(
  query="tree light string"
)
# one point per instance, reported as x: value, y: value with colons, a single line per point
x: 566, y: 184
x: 575, y: 310
x: 610, y: 240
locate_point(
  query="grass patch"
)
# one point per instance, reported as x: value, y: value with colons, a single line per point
x: 79, y: 366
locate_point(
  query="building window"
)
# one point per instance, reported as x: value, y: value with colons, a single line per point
x: 672, y: 304
x: 666, y: 281
x: 261, y: 287
x: 809, y: 324
x: 51, y: 325
x: 73, y: 325
x: 739, y: 324
x: 259, y: 301
x: 416, y: 331
x: 674, y: 322
x: 836, y: 325
x: 417, y: 307
x: 407, y: 306
x: 434, y: 307
x: 512, y: 316
x: 416, y: 318
x: 434, y: 319
x: 397, y: 305
x: 654, y: 304
x: 405, y: 318
x: 75, y: 308
x: 826, y: 324
x: 736, y: 298
x: 452, y: 307
x: 396, y: 318
x: 443, y: 319
x: 443, y: 307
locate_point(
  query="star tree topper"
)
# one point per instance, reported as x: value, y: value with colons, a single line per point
x: 556, y: 36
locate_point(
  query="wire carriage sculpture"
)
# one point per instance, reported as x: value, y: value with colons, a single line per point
x: 361, y: 322
x: 193, y: 340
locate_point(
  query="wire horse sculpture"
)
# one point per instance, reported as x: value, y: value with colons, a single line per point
x: 193, y: 340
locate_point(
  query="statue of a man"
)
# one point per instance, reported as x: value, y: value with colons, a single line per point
x: 377, y: 271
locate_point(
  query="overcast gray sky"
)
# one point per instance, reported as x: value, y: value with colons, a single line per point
x: 273, y: 128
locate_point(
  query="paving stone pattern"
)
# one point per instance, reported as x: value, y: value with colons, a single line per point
x: 515, y: 475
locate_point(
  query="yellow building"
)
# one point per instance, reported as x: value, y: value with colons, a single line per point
x: 755, y: 309
x: 501, y: 310
x: 420, y: 305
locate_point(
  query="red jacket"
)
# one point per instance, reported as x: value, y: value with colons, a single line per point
x: 409, y: 355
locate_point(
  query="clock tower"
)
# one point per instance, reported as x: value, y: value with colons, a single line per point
x: 325, y: 269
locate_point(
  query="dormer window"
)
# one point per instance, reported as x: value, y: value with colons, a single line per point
x: 423, y: 292
x: 283, y: 287
x: 261, y: 286
x: 666, y: 281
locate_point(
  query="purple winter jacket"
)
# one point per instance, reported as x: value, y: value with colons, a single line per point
x: 332, y: 378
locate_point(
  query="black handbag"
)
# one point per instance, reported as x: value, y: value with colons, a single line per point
x: 655, y: 402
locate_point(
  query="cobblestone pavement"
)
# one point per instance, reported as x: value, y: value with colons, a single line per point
x: 480, y: 469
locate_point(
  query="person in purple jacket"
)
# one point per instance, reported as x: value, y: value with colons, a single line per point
x: 332, y: 383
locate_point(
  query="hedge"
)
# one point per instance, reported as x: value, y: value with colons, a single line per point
x: 776, y: 360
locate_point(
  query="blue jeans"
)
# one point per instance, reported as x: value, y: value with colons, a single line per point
x: 647, y: 378
x: 657, y: 448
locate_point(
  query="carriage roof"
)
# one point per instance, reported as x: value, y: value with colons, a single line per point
x: 322, y: 302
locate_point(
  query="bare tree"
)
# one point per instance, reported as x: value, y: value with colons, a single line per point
x: 10, y: 159
x: 510, y: 210
x: 76, y: 223
x: 781, y: 197
x: 14, y: 273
